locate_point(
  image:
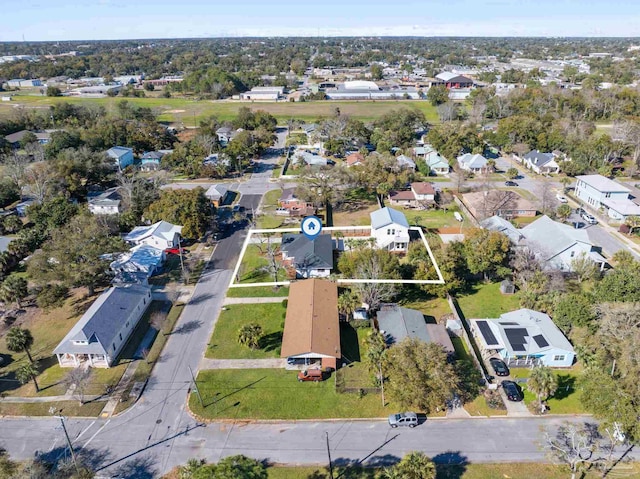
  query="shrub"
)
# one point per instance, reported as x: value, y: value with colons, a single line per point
x: 52, y: 296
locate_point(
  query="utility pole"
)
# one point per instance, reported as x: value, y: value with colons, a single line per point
x: 66, y: 435
x: 195, y: 387
x: 180, y: 252
x: 329, y: 454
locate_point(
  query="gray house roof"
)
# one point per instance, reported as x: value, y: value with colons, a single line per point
x: 311, y: 254
x: 161, y: 229
x: 551, y: 238
x: 110, y: 197
x: 215, y: 192
x: 118, y: 152
x: 399, y: 323
x: 4, y: 243
x: 603, y: 184
x: 405, y: 161
x: 152, y: 155
x: 496, y: 223
x: 472, y: 161
x: 538, y: 158
x: 387, y: 216
x: 103, y: 320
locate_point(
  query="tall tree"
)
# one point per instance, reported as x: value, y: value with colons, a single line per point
x: 543, y: 383
x: 26, y: 373
x: 420, y: 376
x: 486, y: 252
x: 13, y: 289
x: 375, y: 357
x: 189, y: 208
x: 438, y: 95
x: 19, y: 339
x: 415, y: 465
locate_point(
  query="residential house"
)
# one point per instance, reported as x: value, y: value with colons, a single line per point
x: 160, y: 235
x: 295, y: 205
x: 503, y: 203
x: 436, y: 163
x: 218, y: 194
x: 541, y: 163
x: 121, y: 155
x: 601, y: 193
x: 405, y: 163
x: 524, y: 337
x: 101, y: 333
x: 558, y: 245
x: 225, y: 134
x: 397, y: 323
x: 311, y: 326
x: 452, y: 80
x: 472, y: 163
x: 421, y: 195
x: 390, y: 229
x: 309, y: 258
x: 310, y: 130
x: 22, y: 207
x: 150, y: 160
x: 309, y: 159
x: 105, y: 203
x: 140, y: 262
x: 496, y: 223
x: 354, y: 159
x: 14, y: 139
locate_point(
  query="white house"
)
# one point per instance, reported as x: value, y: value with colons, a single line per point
x: 405, y: 163
x: 541, y: 163
x: 600, y: 192
x: 524, y: 337
x: 423, y: 191
x: 225, y: 134
x: 558, y: 245
x: 436, y: 162
x: 473, y: 163
x: 101, y: 333
x: 160, y: 235
x: 390, y: 229
x: 141, y: 261
x: 121, y: 155
x: 105, y: 203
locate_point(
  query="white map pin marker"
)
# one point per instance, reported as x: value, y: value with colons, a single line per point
x: 311, y: 227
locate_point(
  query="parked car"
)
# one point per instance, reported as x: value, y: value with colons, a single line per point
x: 512, y: 391
x: 238, y: 209
x: 403, y: 419
x: 499, y: 367
x: 588, y: 218
x: 510, y: 183
x: 172, y: 251
x: 579, y: 211
x: 311, y: 375
x: 561, y: 198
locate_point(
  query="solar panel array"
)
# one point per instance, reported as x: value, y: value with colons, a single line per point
x: 487, y: 334
x: 516, y: 337
x: 540, y: 341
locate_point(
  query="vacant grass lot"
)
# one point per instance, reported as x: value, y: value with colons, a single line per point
x: 486, y: 301
x: 276, y: 394
x: 252, y: 267
x: 258, y: 292
x: 433, y: 308
x: 355, y: 216
x: 224, y: 340
x: 186, y: 110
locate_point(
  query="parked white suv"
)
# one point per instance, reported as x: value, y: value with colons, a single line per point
x: 588, y: 218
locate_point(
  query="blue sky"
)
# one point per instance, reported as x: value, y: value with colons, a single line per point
x: 115, y: 19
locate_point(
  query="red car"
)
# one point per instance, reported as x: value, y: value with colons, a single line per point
x: 172, y: 250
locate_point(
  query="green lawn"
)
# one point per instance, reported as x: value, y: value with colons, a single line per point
x: 269, y: 221
x: 433, y: 219
x: 527, y: 470
x: 276, y: 394
x: 224, y: 340
x: 67, y: 408
x: 271, y: 198
x: 461, y: 349
x: 566, y: 400
x: 186, y: 110
x: 433, y: 308
x: 478, y: 407
x: 258, y: 292
x: 486, y: 301
x: 251, y: 268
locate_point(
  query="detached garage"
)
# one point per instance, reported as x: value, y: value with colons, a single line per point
x: 311, y: 326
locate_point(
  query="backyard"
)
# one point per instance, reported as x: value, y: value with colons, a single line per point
x: 486, y: 301
x: 253, y: 268
x: 224, y: 340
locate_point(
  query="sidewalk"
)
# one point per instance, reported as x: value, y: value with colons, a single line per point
x: 41, y: 399
x: 253, y: 300
x: 274, y: 363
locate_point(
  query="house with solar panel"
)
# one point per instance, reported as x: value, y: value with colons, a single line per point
x: 523, y: 337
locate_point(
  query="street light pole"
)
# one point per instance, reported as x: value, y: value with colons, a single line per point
x: 66, y: 435
x: 195, y: 387
x: 329, y: 454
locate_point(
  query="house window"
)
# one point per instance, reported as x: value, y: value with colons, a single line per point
x: 558, y: 357
x: 607, y: 195
x: 114, y: 346
x: 126, y: 325
x: 573, y: 253
x: 120, y: 336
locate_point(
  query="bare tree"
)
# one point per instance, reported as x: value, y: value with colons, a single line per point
x: 448, y: 111
x: 546, y: 197
x: 39, y: 178
x: 157, y: 320
x: 78, y: 379
x: 583, y: 267
x: 35, y: 150
x: 619, y: 320
x: 629, y: 132
x: 15, y: 165
x: 458, y: 177
x: 576, y: 445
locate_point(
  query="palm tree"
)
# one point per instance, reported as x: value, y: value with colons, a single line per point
x: 632, y: 222
x: 566, y: 181
x: 563, y: 212
x: 250, y: 335
x: 347, y: 303
x: 27, y: 373
x: 415, y: 465
x: 14, y: 288
x: 542, y: 382
x: 19, y: 339
x: 375, y: 357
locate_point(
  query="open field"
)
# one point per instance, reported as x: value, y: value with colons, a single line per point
x: 190, y: 111
x: 224, y: 340
x: 486, y: 301
x: 276, y: 394
x: 258, y: 292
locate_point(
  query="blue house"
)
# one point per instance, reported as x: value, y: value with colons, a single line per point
x: 150, y: 160
x: 121, y: 155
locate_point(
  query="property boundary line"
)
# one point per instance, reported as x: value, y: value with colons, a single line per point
x: 251, y: 232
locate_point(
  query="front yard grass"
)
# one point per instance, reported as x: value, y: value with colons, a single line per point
x: 276, y: 394
x: 224, y: 340
x: 271, y: 197
x: 67, y: 408
x: 566, y: 400
x: 478, y: 407
x: 258, y: 292
x: 252, y: 267
x: 433, y: 219
x: 486, y: 301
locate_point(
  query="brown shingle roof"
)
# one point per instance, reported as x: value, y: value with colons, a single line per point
x: 354, y: 158
x: 422, y: 188
x: 402, y: 196
x: 311, y: 324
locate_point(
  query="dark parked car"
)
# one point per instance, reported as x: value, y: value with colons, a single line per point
x: 512, y: 391
x: 499, y: 367
x: 510, y: 183
x: 403, y: 419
